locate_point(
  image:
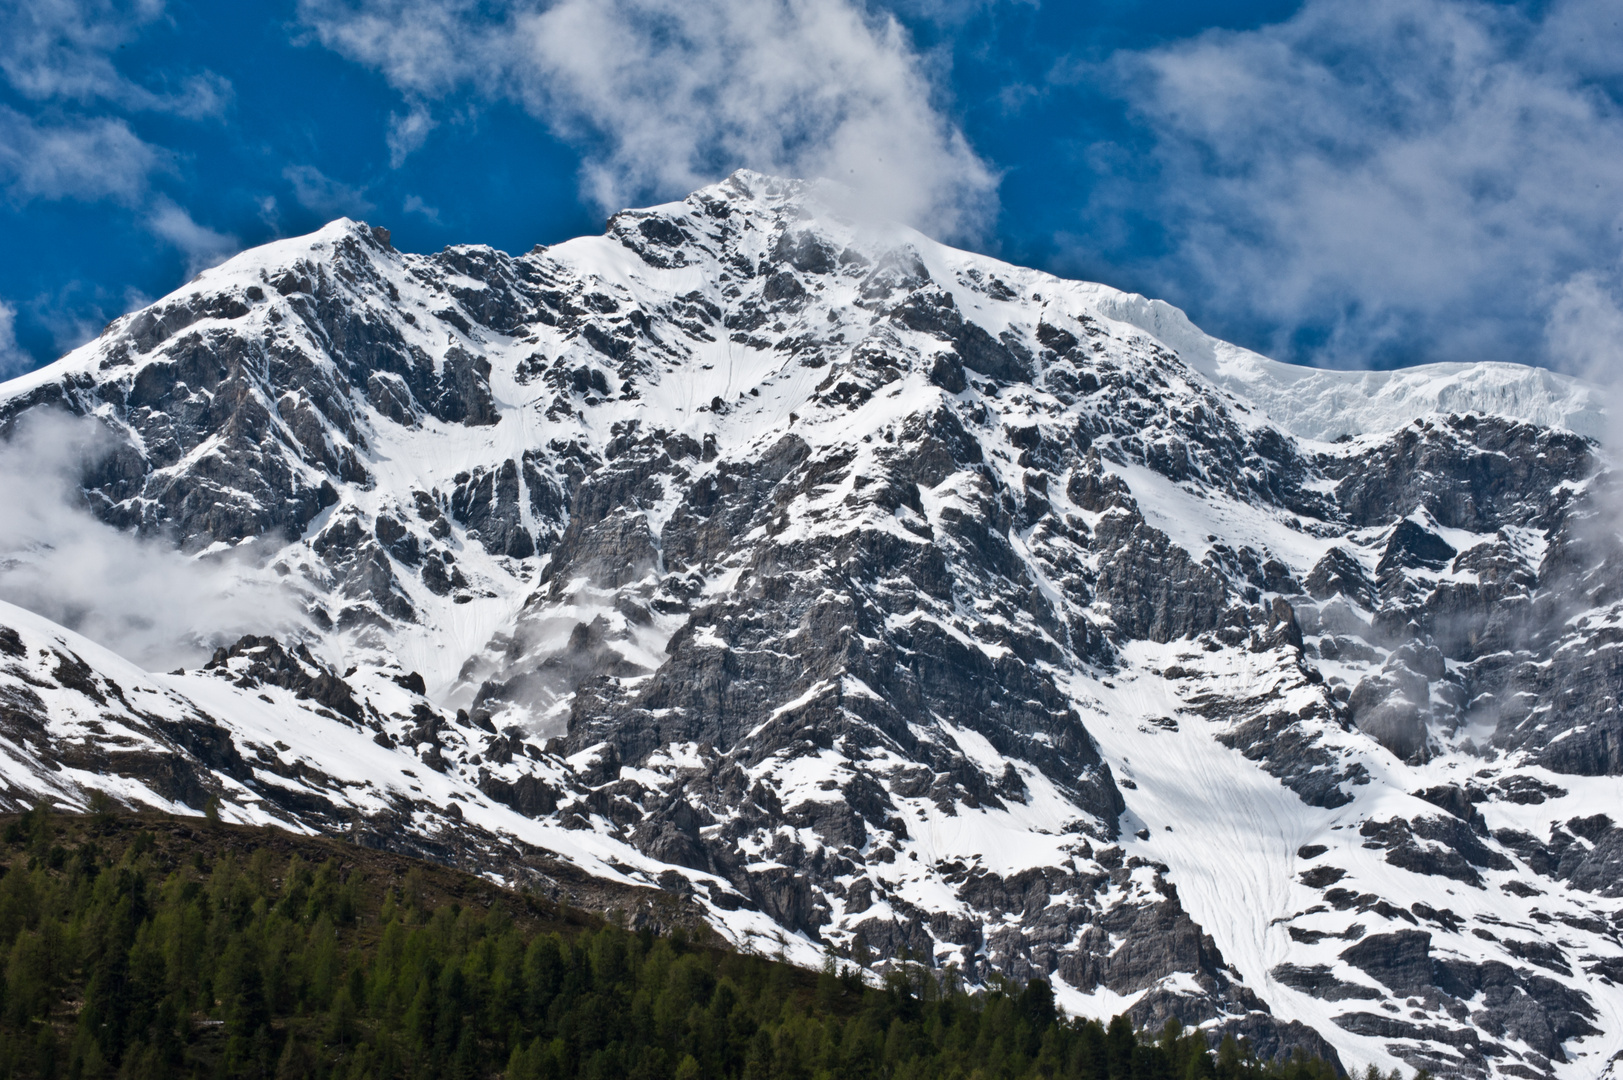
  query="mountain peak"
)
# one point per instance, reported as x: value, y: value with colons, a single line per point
x: 878, y: 597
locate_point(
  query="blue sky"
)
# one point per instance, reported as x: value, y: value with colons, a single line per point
x: 1346, y: 182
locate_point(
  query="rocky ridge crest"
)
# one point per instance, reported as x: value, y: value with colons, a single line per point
x: 880, y: 598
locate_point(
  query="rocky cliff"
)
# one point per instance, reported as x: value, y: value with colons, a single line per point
x: 874, y: 597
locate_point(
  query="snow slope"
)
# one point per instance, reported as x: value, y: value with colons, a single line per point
x: 872, y: 596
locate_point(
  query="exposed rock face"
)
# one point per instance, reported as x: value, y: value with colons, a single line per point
x: 878, y: 598
x: 1509, y: 1002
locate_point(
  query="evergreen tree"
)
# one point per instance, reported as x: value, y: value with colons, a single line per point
x: 130, y: 950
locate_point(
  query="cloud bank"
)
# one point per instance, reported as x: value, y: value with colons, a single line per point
x: 1390, y: 181
x: 667, y: 95
x: 145, y: 601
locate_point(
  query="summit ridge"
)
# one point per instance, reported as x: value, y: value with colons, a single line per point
x: 875, y: 597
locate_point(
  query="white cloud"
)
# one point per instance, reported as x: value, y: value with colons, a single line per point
x: 319, y: 192
x: 145, y: 601
x: 1585, y: 329
x: 407, y: 133
x: 666, y: 95
x: 200, y: 97
x: 202, y: 246
x: 414, y: 204
x: 13, y: 361
x: 63, y: 49
x: 1407, y: 179
x: 953, y: 12
x: 76, y: 159
x: 60, y: 54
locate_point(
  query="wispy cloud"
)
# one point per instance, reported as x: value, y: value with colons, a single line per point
x: 315, y: 190
x: 145, y: 601
x: 408, y: 132
x: 1388, y: 180
x: 202, y: 246
x: 665, y: 95
x: 13, y: 361
x: 73, y: 136
x: 77, y: 311
x: 414, y: 204
x: 74, y: 159
x: 63, y: 50
x: 1584, y: 328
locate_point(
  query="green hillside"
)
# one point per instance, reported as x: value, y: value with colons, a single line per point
x: 154, y: 947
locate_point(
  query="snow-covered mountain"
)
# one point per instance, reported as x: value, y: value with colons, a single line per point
x: 869, y: 596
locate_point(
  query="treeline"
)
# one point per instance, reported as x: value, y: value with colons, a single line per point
x: 154, y: 949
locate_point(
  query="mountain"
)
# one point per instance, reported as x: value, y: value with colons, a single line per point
x: 231, y: 950
x: 874, y: 597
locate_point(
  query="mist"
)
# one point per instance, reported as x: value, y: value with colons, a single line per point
x: 140, y: 598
